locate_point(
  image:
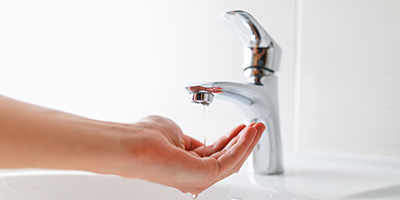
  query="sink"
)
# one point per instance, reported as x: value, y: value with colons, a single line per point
x: 337, y: 176
x: 86, y: 186
x: 63, y: 185
x: 307, y: 176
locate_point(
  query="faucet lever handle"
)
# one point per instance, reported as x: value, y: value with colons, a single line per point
x: 263, y: 52
x: 249, y: 31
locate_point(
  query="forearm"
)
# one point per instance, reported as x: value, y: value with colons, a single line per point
x: 37, y: 137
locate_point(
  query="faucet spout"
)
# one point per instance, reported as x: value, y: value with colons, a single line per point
x: 259, y: 103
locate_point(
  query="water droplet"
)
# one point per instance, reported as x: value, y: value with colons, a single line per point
x: 271, y: 195
x: 194, y: 196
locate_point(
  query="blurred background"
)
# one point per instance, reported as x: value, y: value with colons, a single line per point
x: 339, y: 80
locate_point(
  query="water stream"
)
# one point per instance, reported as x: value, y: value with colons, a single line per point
x: 205, y: 109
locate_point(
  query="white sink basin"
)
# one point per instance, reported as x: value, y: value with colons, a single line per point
x: 81, y: 186
x: 306, y: 177
x: 323, y: 176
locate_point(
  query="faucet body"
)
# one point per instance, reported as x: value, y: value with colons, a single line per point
x: 259, y: 103
x: 258, y: 96
x: 267, y: 155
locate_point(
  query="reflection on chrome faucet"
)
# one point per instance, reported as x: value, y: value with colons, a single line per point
x: 258, y: 97
x: 203, y: 95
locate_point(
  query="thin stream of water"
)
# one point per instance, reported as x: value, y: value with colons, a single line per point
x: 205, y: 113
x: 205, y: 108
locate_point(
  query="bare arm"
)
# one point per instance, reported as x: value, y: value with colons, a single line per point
x: 33, y: 136
x: 154, y: 148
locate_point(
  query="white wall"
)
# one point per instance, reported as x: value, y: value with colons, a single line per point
x: 122, y: 60
x: 350, y: 76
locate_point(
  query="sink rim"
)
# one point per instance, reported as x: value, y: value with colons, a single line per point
x: 304, y: 171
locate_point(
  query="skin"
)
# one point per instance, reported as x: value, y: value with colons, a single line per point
x: 153, y: 148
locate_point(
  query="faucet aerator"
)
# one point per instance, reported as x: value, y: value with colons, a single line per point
x: 202, y: 97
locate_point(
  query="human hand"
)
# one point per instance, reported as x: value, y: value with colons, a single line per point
x: 154, y: 148
x: 161, y: 153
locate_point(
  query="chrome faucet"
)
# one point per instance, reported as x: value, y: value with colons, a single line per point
x: 258, y: 97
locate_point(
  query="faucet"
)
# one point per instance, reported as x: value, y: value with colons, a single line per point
x: 258, y: 96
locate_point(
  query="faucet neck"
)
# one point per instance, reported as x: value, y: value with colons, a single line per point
x: 260, y: 64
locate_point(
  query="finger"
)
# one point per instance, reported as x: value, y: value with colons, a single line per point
x: 191, y: 143
x: 230, y: 144
x: 260, y: 127
x: 221, y: 142
x: 230, y: 159
x: 234, y: 140
x: 223, y: 149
